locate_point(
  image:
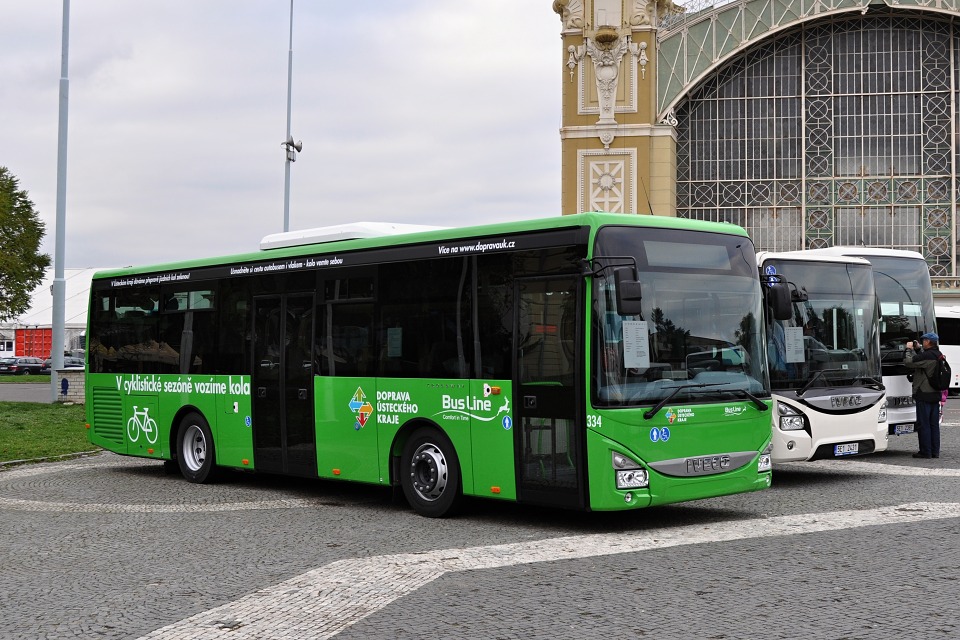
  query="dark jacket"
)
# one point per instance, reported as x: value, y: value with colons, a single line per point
x: 923, y: 365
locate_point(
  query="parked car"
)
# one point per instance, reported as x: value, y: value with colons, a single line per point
x: 20, y: 365
x: 69, y: 362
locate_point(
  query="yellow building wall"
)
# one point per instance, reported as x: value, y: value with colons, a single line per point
x: 615, y: 156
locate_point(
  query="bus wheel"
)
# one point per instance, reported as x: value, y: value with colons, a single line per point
x: 195, y: 452
x: 430, y: 474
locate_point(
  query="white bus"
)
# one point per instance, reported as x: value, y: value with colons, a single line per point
x: 906, y: 312
x: 948, y: 328
x: 824, y: 360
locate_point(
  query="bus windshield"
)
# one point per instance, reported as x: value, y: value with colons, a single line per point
x: 831, y: 338
x: 906, y: 303
x: 698, y: 338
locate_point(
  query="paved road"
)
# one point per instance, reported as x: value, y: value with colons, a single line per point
x: 25, y: 392
x: 111, y: 547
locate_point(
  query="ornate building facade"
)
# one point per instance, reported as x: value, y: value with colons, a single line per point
x: 810, y: 123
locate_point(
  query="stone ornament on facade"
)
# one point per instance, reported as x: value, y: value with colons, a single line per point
x: 643, y: 60
x: 570, y: 12
x: 670, y: 118
x: 606, y: 65
x: 649, y: 12
x: 606, y: 186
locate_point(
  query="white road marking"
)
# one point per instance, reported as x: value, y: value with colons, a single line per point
x: 860, y: 466
x: 323, y: 602
x: 80, y: 507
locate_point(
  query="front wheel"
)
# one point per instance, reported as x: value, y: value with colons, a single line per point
x: 430, y: 474
x: 195, y: 449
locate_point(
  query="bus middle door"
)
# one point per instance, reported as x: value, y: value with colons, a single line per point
x: 284, y: 436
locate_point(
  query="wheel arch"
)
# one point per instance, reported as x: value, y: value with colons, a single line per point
x: 400, y: 441
x: 174, y: 427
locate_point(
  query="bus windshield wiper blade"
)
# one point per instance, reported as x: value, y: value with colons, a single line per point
x: 819, y: 374
x: 660, y: 405
x: 757, y: 402
x: 873, y: 382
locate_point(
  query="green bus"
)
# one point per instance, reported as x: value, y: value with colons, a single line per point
x: 593, y: 361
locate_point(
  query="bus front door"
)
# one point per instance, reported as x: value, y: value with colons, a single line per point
x: 550, y: 439
x: 284, y: 437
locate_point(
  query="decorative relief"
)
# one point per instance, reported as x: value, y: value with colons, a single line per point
x: 606, y: 57
x: 649, y: 12
x: 606, y: 179
x: 606, y: 65
x: 571, y: 13
x: 574, y: 58
x: 606, y: 186
x: 670, y: 118
x: 606, y: 137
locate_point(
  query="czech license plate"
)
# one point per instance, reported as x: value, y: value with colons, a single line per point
x: 846, y: 449
x: 899, y: 429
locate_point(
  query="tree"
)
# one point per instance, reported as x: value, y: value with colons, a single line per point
x: 21, y: 264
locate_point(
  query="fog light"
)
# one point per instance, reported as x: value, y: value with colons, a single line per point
x: 882, y: 416
x: 790, y: 445
x: 628, y: 498
x: 763, y: 463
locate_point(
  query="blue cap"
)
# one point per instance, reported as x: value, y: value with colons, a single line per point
x: 930, y: 336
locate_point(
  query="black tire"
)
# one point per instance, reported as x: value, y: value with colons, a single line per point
x: 430, y: 474
x: 195, y: 450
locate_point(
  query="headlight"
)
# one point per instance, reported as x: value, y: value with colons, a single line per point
x: 790, y: 418
x: 629, y: 473
x: 632, y: 479
x: 882, y: 415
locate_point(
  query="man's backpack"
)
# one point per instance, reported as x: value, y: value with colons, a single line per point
x: 942, y: 375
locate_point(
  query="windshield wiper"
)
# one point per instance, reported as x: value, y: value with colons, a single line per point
x: 757, y: 402
x: 818, y: 374
x: 660, y: 405
x: 873, y: 382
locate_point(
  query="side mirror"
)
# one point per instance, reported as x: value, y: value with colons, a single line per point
x: 627, y: 292
x: 778, y: 299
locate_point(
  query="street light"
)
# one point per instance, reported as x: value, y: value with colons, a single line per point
x: 292, y: 147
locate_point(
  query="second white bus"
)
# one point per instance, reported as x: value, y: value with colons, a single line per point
x: 905, y: 299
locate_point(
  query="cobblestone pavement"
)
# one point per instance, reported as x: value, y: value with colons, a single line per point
x: 111, y: 547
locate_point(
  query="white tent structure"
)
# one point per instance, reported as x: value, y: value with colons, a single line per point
x: 40, y: 314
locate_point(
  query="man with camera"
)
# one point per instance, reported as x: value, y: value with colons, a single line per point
x: 923, y: 364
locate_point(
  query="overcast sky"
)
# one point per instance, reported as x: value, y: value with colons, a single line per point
x: 425, y: 112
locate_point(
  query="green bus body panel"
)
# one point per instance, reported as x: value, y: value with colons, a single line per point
x: 224, y: 401
x: 691, y: 431
x: 359, y: 419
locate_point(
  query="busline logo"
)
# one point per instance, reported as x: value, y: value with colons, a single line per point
x: 471, y: 407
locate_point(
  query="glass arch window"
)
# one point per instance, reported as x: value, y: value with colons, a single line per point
x: 837, y: 132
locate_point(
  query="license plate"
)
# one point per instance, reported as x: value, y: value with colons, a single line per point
x: 899, y: 429
x: 846, y: 449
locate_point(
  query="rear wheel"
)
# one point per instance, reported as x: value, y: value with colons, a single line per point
x: 195, y: 449
x: 430, y: 474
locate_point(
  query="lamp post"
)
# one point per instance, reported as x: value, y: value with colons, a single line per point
x: 59, y: 284
x: 291, y: 146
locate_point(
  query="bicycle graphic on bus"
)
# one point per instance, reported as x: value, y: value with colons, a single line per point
x: 142, y: 422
